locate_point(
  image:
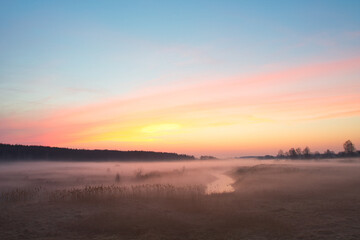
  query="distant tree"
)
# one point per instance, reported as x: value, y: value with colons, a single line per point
x: 292, y: 153
x: 306, y: 152
x: 329, y: 154
x: 280, y: 154
x: 207, y: 158
x: 349, y: 147
x: 317, y: 154
x: 29, y: 153
x: 298, y: 152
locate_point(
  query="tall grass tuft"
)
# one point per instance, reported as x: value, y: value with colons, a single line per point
x: 117, y: 178
x: 20, y: 194
x: 115, y: 192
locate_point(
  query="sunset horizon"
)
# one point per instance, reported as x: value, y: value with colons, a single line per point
x: 191, y: 119
x: 95, y: 82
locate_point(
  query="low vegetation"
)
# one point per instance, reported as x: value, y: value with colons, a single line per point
x: 292, y: 200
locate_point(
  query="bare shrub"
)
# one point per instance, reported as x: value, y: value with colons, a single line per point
x: 117, y: 178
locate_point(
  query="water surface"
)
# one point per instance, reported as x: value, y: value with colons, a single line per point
x: 222, y: 184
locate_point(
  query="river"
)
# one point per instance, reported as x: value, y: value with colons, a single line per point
x: 222, y: 184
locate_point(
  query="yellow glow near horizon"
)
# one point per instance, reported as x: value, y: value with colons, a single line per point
x: 160, y: 128
x: 114, y: 133
x: 244, y: 115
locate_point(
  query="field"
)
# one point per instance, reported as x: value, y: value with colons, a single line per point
x: 172, y: 200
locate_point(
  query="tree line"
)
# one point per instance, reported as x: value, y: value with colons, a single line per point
x: 29, y: 153
x: 298, y: 153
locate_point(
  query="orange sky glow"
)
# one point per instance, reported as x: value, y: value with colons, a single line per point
x: 316, y: 105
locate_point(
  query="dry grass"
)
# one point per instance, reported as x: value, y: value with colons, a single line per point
x: 140, y: 175
x: 104, y: 193
x: 270, y: 202
x: 20, y: 194
x: 115, y: 192
x: 146, y: 211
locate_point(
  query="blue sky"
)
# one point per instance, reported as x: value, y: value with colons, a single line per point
x: 73, y: 41
x: 59, y: 53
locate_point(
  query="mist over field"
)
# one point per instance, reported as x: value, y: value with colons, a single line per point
x: 200, y: 199
x: 71, y: 174
x: 179, y: 120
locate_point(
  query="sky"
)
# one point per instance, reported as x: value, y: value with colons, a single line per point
x: 226, y: 78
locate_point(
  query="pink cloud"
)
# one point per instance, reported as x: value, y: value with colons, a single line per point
x: 269, y: 95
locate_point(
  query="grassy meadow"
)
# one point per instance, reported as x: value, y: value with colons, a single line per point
x: 270, y: 200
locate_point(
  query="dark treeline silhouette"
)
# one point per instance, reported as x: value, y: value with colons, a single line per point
x: 298, y: 153
x: 207, y: 157
x: 10, y: 152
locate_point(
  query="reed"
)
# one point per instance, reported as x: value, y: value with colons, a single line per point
x: 114, y: 192
x: 20, y: 194
x: 105, y: 193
